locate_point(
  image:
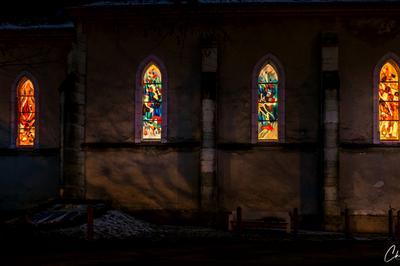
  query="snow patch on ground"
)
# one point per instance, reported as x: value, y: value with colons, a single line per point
x: 112, y: 225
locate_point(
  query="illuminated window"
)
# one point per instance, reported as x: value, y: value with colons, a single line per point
x: 26, y: 113
x: 268, y: 95
x: 267, y: 101
x: 388, y: 93
x: 152, y: 103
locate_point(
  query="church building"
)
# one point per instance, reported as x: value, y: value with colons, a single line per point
x: 188, y: 109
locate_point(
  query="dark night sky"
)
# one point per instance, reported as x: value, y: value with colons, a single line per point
x: 46, y: 11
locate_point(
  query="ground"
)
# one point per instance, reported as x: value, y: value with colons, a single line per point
x: 45, y: 238
x: 232, y: 252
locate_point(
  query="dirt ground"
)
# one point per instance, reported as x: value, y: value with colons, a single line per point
x: 232, y: 252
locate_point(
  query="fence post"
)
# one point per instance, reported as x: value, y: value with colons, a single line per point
x: 390, y: 222
x: 89, y: 232
x: 239, y: 219
x: 397, y: 227
x: 347, y: 232
x: 295, y: 221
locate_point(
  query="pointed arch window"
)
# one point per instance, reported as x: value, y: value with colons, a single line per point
x: 151, y: 102
x: 267, y: 103
x: 389, y: 102
x: 386, y: 103
x: 26, y: 113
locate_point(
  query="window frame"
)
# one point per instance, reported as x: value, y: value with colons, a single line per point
x: 274, y: 61
x: 151, y: 59
x: 15, y: 115
x: 395, y: 60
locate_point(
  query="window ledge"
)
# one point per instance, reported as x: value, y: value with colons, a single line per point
x: 131, y: 145
x: 358, y: 145
x: 29, y: 151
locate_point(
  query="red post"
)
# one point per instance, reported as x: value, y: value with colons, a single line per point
x: 89, y: 232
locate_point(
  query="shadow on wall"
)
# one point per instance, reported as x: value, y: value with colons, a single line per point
x: 151, y: 178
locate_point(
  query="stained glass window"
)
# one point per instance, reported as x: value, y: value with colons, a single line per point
x: 388, y: 103
x: 26, y: 115
x: 152, y: 103
x: 267, y: 103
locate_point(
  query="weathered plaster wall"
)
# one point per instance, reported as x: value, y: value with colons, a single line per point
x: 257, y: 178
x: 148, y: 178
x: 29, y: 177
x: 267, y: 179
x: 159, y: 176
x: 368, y: 174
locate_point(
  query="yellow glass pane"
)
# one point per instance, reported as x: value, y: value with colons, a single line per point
x: 25, y: 87
x: 388, y: 130
x: 388, y: 91
x: 26, y: 136
x: 152, y: 74
x: 268, y: 74
x: 388, y: 111
x: 267, y: 130
x: 388, y: 73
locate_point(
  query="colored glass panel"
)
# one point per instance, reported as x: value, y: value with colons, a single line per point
x: 26, y: 113
x: 267, y: 108
x: 152, y: 103
x: 389, y: 130
x: 388, y: 91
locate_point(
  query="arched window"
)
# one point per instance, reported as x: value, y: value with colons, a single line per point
x: 268, y: 95
x: 386, y: 106
x: 151, y: 102
x: 389, y: 102
x: 26, y: 113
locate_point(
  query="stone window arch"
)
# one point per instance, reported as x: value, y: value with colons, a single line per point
x: 151, y: 101
x: 268, y: 106
x: 386, y: 100
x: 25, y: 112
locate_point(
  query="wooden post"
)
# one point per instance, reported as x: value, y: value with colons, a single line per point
x: 390, y: 222
x: 398, y: 225
x: 347, y: 232
x: 238, y: 219
x: 90, y: 227
x: 295, y: 221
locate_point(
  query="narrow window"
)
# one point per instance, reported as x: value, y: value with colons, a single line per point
x: 388, y: 102
x: 152, y: 103
x: 26, y: 113
x: 268, y: 103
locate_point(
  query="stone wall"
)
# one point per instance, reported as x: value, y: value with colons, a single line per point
x: 29, y: 177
